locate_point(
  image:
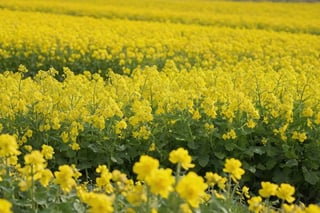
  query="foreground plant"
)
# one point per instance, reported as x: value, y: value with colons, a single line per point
x: 31, y: 187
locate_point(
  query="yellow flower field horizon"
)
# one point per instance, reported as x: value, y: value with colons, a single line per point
x: 87, y: 88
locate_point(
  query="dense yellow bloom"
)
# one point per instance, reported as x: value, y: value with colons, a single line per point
x: 98, y: 202
x: 191, y: 188
x: 286, y: 192
x: 182, y: 157
x: 64, y: 177
x: 255, y: 204
x: 44, y: 177
x: 312, y: 208
x: 5, y: 206
x: 104, y: 180
x: 36, y: 160
x: 300, y: 136
x: 8, y: 145
x: 136, y: 195
x: 229, y: 135
x: 233, y: 167
x: 268, y: 189
x: 145, y: 166
x: 185, y: 208
x: 161, y: 182
x: 47, y: 151
x: 215, y: 179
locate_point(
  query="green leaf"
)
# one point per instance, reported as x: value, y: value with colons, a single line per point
x: 310, y: 176
x: 291, y: 163
x: 220, y: 155
x: 229, y: 146
x: 203, y: 160
x: 252, y: 169
x: 258, y: 150
x: 94, y: 148
x: 192, y: 145
x: 80, y: 208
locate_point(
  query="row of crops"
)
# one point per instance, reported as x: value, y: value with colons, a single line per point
x: 159, y: 106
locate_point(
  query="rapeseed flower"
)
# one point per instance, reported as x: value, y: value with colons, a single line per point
x: 215, y: 179
x: 36, y: 160
x: 145, y: 166
x: 312, y: 208
x: 192, y: 188
x: 5, y: 206
x: 44, y: 177
x: 233, y: 167
x: 47, y: 151
x: 98, y: 203
x: 104, y: 180
x: 286, y: 192
x: 136, y: 195
x: 268, y: 189
x: 8, y: 145
x: 64, y: 177
x: 300, y: 136
x: 161, y: 182
x: 255, y: 204
x: 182, y: 157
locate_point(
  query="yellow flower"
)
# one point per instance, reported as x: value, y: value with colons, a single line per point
x: 181, y: 156
x: 47, y: 151
x: 120, y: 125
x: 192, y: 188
x: 245, y: 191
x: 312, y: 208
x: 255, y: 204
x: 145, y: 166
x: 268, y: 189
x: 104, y: 180
x: 98, y: 203
x: 233, y: 166
x: 229, y: 135
x: 185, y: 208
x: 44, y: 177
x: 5, y: 206
x: 214, y: 178
x: 136, y: 195
x: 36, y: 160
x: 301, y: 137
x: 285, y: 192
x: 64, y: 178
x: 8, y: 145
x: 160, y: 182
x: 251, y: 124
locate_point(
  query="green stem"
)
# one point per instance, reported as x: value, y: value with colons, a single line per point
x: 32, y: 191
x: 178, y: 171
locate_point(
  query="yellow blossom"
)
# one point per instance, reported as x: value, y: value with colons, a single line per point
x: 191, y: 188
x: 8, y: 145
x: 64, y: 177
x: 312, y: 208
x: 255, y: 204
x: 286, y: 192
x: 233, y: 167
x: 300, y: 136
x: 161, y: 182
x: 5, y: 206
x: 268, y: 189
x: 98, y: 203
x: 214, y: 178
x: 145, y: 166
x: 36, y: 160
x: 47, y: 151
x: 182, y: 157
x: 136, y: 195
